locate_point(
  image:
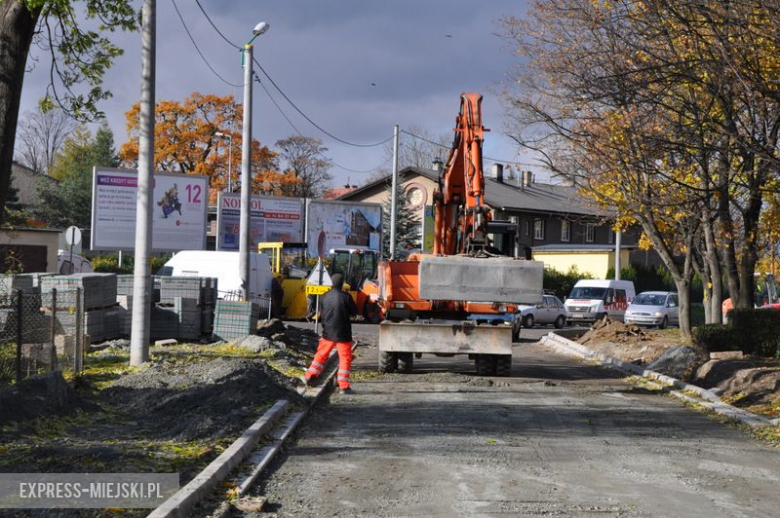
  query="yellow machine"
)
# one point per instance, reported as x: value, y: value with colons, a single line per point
x: 290, y: 268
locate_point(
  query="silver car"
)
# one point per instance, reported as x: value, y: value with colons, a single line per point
x: 654, y: 308
x: 550, y: 311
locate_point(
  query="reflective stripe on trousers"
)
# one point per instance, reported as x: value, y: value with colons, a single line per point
x: 345, y: 360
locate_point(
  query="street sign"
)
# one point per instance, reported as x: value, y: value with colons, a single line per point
x: 319, y: 276
x: 317, y: 290
x: 73, y: 236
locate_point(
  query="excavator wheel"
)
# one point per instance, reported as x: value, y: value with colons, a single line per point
x: 388, y: 362
x: 503, y: 365
x: 405, y: 362
x: 486, y: 365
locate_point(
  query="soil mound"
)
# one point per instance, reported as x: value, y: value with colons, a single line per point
x: 199, y: 400
x: 302, y: 340
x: 747, y: 383
x: 41, y: 395
x: 628, y: 342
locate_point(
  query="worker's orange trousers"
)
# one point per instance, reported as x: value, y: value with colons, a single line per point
x: 345, y: 361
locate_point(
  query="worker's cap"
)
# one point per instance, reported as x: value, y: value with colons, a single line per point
x: 338, y: 281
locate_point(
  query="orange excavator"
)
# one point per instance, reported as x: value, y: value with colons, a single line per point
x: 460, y: 299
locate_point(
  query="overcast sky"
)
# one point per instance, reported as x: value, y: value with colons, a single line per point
x: 356, y: 67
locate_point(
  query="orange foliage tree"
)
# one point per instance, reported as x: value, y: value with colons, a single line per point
x: 186, y: 141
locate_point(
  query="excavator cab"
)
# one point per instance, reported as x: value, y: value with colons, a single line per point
x: 359, y: 268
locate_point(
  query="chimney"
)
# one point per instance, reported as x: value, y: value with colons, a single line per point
x: 498, y: 172
x: 437, y: 165
x: 528, y: 178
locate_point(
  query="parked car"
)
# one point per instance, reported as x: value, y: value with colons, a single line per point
x: 68, y: 263
x: 654, y: 308
x: 550, y: 311
x: 592, y: 299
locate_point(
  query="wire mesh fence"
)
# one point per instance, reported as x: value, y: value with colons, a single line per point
x: 40, y: 332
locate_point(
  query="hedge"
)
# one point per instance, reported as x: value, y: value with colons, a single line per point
x: 758, y: 329
x: 715, y: 337
x: 752, y: 331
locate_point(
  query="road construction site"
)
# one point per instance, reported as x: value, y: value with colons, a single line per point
x: 559, y: 437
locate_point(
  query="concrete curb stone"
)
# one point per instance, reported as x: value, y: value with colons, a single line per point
x: 712, y: 401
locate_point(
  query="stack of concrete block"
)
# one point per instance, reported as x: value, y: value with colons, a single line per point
x: 125, y: 309
x: 209, y: 295
x: 188, y: 312
x: 183, y: 287
x: 98, y: 301
x: 164, y: 323
x: 124, y: 284
x: 9, y: 284
x: 98, y: 289
x: 234, y: 319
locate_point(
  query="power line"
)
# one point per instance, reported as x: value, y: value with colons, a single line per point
x: 286, y: 97
x: 294, y: 127
x: 448, y: 147
x: 326, y: 132
x: 215, y: 26
x: 187, y: 30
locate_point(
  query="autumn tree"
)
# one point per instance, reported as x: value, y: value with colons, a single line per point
x: 304, y: 159
x: 186, y: 141
x: 665, y: 111
x: 74, y: 35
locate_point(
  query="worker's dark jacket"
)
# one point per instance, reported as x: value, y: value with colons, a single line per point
x: 337, y: 307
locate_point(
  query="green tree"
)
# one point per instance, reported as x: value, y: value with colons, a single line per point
x: 70, y: 201
x: 73, y: 33
x: 407, y: 224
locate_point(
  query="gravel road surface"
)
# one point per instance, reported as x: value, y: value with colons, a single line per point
x: 558, y: 438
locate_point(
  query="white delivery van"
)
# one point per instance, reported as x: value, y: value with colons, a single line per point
x: 224, y: 266
x: 591, y: 299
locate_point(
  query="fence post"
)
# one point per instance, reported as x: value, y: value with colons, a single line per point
x: 19, y: 334
x: 78, y: 364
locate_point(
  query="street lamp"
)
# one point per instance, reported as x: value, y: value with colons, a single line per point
x: 246, y: 164
x: 230, y: 157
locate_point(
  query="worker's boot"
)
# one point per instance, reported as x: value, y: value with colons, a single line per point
x: 347, y: 391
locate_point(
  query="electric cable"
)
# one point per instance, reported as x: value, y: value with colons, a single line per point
x: 448, y: 147
x: 187, y: 30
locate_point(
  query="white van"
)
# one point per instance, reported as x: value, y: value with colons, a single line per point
x: 224, y: 266
x: 590, y: 300
x: 68, y: 263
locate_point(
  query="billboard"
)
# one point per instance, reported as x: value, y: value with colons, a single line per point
x: 180, y: 203
x: 271, y: 219
x: 346, y: 225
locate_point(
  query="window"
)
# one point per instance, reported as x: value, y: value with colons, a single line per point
x: 611, y: 236
x: 620, y: 297
x: 590, y: 233
x: 673, y: 303
x: 527, y: 228
x: 565, y: 231
x: 538, y: 229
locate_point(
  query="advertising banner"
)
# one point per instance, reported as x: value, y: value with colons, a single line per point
x: 428, y: 229
x: 271, y: 219
x: 180, y: 204
x: 346, y: 225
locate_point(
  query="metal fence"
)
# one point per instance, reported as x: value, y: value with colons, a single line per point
x: 40, y: 333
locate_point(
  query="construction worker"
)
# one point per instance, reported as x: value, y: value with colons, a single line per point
x: 336, y: 308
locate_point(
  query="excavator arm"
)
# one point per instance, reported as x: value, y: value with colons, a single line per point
x: 460, y: 213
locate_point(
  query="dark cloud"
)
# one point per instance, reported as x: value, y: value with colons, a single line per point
x: 355, y: 67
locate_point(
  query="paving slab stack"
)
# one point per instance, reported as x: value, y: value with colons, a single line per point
x: 99, y: 299
x: 234, y: 319
x: 191, y: 300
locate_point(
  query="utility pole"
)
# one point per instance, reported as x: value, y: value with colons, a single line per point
x: 246, y: 176
x: 393, y: 194
x: 142, y: 288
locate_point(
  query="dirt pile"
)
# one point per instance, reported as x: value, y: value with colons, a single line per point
x: 300, y: 340
x: 199, y: 400
x: 627, y: 341
x: 42, y: 395
x: 750, y: 383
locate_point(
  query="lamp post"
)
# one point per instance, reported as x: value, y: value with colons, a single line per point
x: 230, y: 157
x: 246, y: 164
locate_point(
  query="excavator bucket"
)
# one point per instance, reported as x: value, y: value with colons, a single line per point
x: 445, y: 337
x: 481, y: 279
